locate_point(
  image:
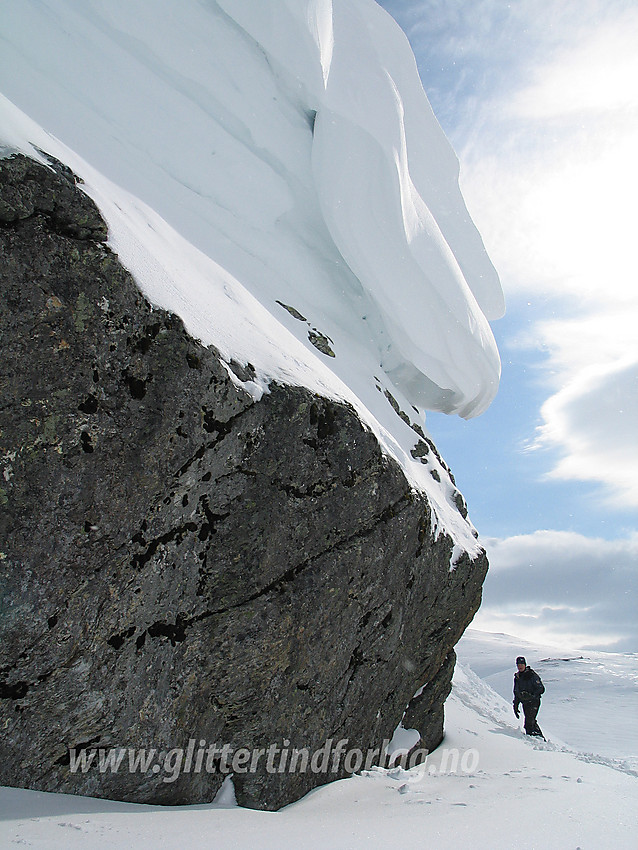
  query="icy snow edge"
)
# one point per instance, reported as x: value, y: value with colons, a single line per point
x: 425, y: 342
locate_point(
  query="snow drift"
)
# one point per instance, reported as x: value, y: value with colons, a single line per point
x: 287, y: 188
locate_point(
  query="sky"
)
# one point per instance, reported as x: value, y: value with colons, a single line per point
x: 542, y: 110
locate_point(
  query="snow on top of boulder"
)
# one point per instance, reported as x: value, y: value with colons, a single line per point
x: 273, y: 173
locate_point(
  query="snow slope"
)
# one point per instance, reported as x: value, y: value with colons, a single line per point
x: 487, y: 786
x: 273, y: 173
x: 591, y: 698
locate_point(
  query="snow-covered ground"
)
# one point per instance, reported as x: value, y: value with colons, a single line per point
x: 486, y: 786
x: 592, y: 697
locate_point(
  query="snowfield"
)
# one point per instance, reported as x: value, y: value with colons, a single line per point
x: 487, y: 787
x: 591, y: 701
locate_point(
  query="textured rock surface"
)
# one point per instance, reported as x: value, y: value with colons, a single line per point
x: 179, y: 562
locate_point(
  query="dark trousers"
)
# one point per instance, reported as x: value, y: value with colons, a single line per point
x: 530, y: 709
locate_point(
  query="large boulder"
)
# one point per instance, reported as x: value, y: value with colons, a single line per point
x: 180, y: 563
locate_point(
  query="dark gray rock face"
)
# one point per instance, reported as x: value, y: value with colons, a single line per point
x: 179, y: 563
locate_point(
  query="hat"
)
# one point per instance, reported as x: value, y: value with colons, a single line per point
x: 521, y: 660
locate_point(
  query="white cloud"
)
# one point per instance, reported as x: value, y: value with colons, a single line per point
x: 593, y: 420
x: 552, y: 182
x: 563, y: 588
x: 598, y: 72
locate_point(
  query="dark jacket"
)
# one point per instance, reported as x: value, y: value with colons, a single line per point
x: 527, y: 686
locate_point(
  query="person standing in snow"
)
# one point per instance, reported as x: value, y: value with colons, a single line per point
x: 528, y: 689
